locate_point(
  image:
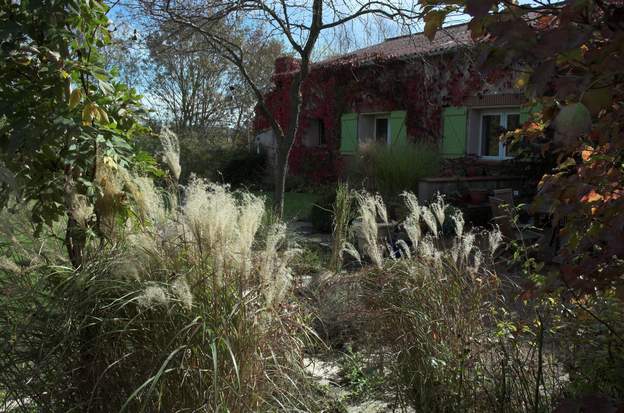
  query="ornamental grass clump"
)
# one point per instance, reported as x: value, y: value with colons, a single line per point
x: 371, y: 210
x: 188, y: 309
x: 439, y: 311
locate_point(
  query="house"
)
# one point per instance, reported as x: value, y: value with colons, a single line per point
x: 404, y: 89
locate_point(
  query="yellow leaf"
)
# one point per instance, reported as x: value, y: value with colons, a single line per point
x: 110, y: 162
x: 433, y: 21
x: 591, y: 196
x: 86, y: 114
x: 103, y: 115
x: 522, y: 80
x: 97, y: 116
x: 90, y: 113
x: 74, y: 98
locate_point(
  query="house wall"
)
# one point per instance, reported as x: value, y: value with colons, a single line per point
x: 311, y: 133
x: 421, y: 88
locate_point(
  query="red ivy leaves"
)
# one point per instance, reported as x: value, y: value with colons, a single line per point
x: 345, y: 85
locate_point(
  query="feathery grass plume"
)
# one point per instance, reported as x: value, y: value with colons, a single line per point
x: 405, y: 250
x: 274, y: 274
x: 283, y: 278
x: 151, y: 201
x: 458, y: 220
x: 476, y: 261
x: 108, y: 181
x: 171, y: 151
x: 495, y: 238
x: 342, y: 216
x: 350, y: 249
x: 182, y: 292
x: 142, y: 243
x: 438, y: 208
x: 212, y: 213
x: 370, y: 206
x: 8, y: 265
x: 467, y: 244
x: 412, y: 221
x: 114, y: 181
x: 430, y: 220
x: 381, y: 209
x: 250, y: 213
x: 454, y: 252
x: 412, y: 228
x: 427, y: 249
x: 153, y: 295
x: 411, y: 202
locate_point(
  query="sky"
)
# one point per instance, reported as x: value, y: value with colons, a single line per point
x: 357, y: 34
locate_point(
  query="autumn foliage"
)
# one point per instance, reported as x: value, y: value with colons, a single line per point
x: 371, y: 83
x: 570, y: 61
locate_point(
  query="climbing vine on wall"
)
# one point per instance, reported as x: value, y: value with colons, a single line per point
x: 421, y: 87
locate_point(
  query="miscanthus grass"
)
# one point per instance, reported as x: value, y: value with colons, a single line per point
x: 438, y: 310
x: 185, y: 308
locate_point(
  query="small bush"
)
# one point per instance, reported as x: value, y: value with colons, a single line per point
x: 244, y: 169
x: 321, y: 214
x: 391, y: 170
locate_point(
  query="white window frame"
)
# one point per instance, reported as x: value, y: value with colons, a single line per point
x: 503, y: 123
x: 375, y: 116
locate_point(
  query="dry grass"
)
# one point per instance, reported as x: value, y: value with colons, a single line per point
x: 437, y: 318
x: 188, y: 310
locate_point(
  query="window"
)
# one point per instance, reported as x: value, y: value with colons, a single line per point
x: 374, y: 127
x: 314, y: 134
x: 493, y: 125
x: 321, y: 133
x: 382, y: 130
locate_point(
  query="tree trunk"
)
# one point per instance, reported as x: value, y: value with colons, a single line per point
x: 75, y: 240
x: 281, y: 172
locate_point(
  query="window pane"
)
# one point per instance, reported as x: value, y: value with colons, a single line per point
x: 490, y: 131
x: 381, y: 130
x: 513, y: 123
x: 321, y: 132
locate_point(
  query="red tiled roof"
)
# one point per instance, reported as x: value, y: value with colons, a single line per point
x: 413, y: 45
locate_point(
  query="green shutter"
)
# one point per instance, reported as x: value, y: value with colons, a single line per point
x: 527, y: 111
x: 348, y: 133
x: 454, y: 124
x: 398, y: 129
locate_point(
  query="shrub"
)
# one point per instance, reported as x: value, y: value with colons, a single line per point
x: 321, y: 214
x: 189, y: 311
x: 391, y: 170
x: 244, y: 169
x: 342, y: 214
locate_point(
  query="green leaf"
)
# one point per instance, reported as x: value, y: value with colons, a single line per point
x: 106, y: 87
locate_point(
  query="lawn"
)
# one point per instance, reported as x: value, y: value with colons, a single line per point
x: 297, y: 205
